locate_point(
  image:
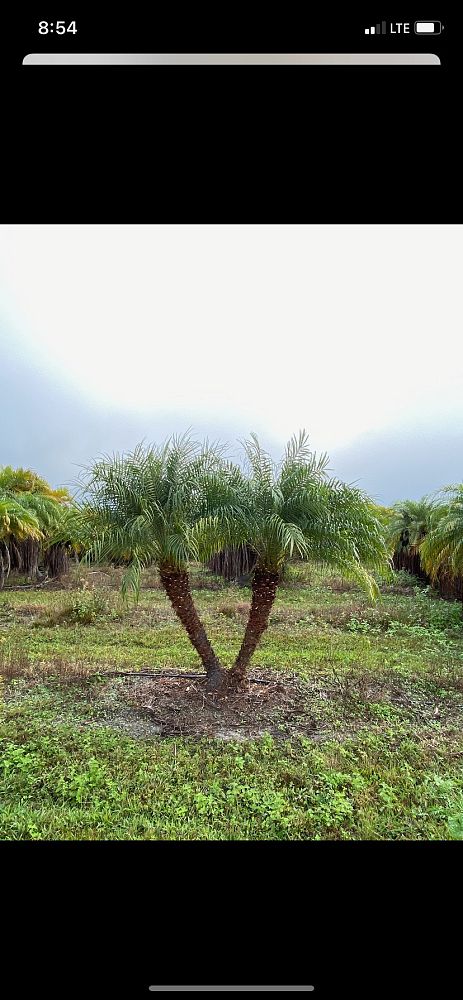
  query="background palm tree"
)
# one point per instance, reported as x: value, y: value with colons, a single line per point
x: 34, y: 495
x: 293, y: 508
x: 442, y: 549
x: 410, y: 522
x: 26, y: 481
x: 234, y: 564
x: 16, y: 523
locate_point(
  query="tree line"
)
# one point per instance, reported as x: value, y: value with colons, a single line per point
x: 427, y: 539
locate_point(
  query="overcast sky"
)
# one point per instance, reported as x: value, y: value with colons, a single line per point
x: 111, y: 334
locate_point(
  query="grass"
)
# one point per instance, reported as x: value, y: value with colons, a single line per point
x: 386, y: 690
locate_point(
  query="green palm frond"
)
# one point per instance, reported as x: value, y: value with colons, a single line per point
x: 31, y: 513
x: 298, y: 454
x: 181, y: 501
x: 410, y: 522
x: 443, y: 546
x: 259, y: 461
x: 294, y: 509
x: 17, y: 521
x: 20, y: 481
x: 164, y: 505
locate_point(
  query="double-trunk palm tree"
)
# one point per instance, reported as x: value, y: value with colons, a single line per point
x: 169, y: 505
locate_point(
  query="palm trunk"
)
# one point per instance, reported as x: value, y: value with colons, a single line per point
x: 264, y: 586
x: 177, y: 587
x: 234, y: 563
x: 5, y: 563
x: 56, y: 560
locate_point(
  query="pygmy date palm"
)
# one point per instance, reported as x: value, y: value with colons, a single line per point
x: 409, y: 522
x: 294, y: 508
x: 48, y: 506
x: 16, y: 522
x: 442, y: 549
x: 161, y: 506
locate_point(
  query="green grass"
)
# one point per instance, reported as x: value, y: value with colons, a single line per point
x: 392, y: 770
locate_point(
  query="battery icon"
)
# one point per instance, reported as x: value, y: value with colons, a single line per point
x: 428, y: 27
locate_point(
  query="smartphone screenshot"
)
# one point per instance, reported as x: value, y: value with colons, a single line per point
x: 231, y: 501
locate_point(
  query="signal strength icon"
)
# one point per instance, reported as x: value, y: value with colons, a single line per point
x: 377, y: 29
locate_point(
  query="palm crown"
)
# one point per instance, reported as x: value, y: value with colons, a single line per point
x: 33, y: 514
x: 16, y: 520
x: 410, y: 522
x: 443, y: 546
x: 165, y: 505
x: 25, y: 481
x: 294, y: 508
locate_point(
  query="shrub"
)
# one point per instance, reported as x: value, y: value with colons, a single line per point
x: 400, y: 581
x: 85, y: 608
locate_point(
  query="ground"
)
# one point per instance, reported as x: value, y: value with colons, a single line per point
x: 355, y: 732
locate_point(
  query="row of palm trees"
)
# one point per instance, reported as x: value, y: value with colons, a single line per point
x: 184, y: 502
x: 31, y: 513
x: 427, y: 539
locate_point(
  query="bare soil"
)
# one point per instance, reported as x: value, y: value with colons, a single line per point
x: 319, y: 709
x: 182, y: 707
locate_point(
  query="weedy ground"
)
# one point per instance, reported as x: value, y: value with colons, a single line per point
x: 357, y: 735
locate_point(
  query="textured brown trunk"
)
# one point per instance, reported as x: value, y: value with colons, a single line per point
x: 448, y: 587
x: 56, y: 560
x: 410, y: 561
x: 234, y: 563
x: 177, y: 587
x: 5, y: 563
x: 264, y: 586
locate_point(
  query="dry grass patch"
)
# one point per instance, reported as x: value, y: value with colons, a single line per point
x: 231, y: 609
x: 17, y: 665
x: 339, y: 585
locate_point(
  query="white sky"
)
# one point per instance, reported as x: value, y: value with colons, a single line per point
x: 339, y: 329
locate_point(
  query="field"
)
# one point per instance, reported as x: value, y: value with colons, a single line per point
x: 357, y: 734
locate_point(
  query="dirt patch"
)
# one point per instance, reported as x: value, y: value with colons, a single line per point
x: 182, y: 707
x: 331, y: 704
